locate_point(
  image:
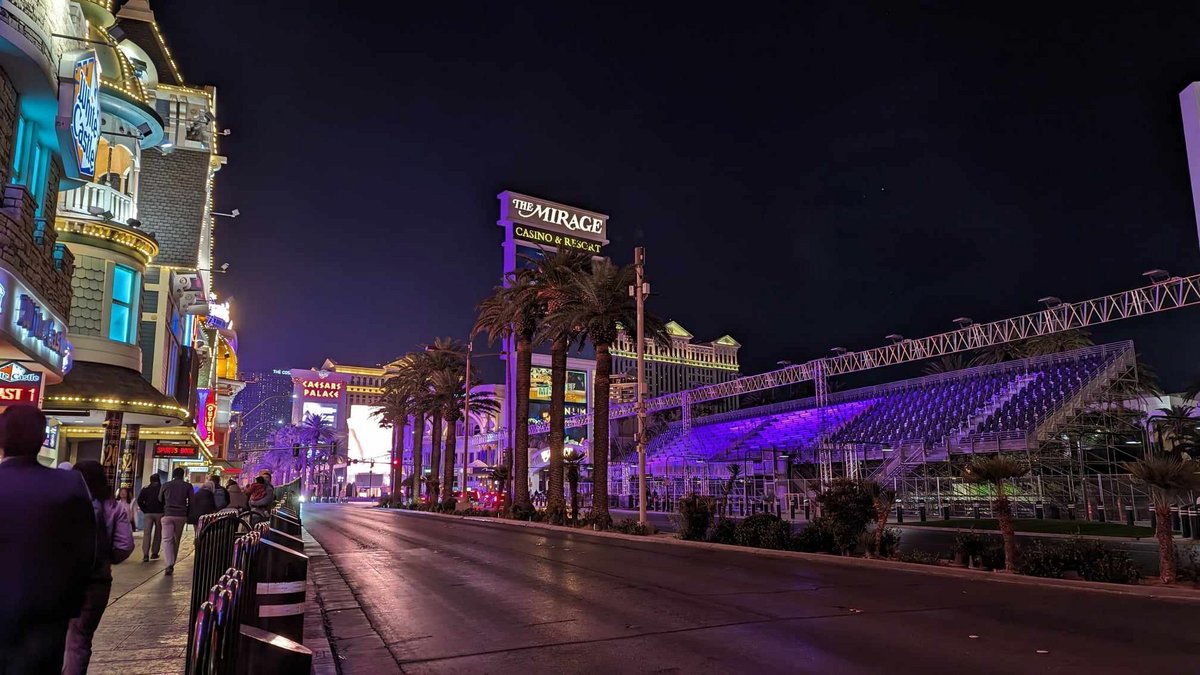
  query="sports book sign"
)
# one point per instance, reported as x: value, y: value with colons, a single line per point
x: 553, y: 224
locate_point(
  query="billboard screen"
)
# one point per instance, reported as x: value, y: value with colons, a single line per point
x: 367, y: 442
x: 576, y: 398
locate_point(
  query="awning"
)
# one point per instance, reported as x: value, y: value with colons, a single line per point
x: 91, y: 389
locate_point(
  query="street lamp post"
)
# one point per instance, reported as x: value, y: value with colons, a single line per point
x: 640, y: 291
x: 464, y: 502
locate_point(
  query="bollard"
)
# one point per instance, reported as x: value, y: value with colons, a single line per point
x: 975, y: 510
x: 1129, y: 515
x: 1153, y: 518
x: 1100, y: 515
x: 921, y: 512
x: 1194, y: 514
x: 899, y: 513
x: 1185, y: 522
x: 945, y: 513
x: 807, y: 510
x: 277, y: 590
x: 261, y: 651
x: 1053, y: 512
x: 1175, y: 525
x: 1070, y: 512
x: 793, y: 508
x: 1039, y: 510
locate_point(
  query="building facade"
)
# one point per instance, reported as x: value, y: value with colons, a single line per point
x: 681, y: 363
x: 261, y: 408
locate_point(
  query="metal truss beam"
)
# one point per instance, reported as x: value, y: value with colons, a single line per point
x: 1173, y: 293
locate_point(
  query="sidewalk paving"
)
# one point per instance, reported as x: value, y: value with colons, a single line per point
x: 144, y: 629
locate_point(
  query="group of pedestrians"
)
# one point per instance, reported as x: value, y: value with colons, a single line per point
x: 64, y: 530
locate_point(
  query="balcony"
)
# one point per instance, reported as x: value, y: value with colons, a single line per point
x: 93, y: 200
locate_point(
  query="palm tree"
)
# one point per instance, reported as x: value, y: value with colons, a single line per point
x: 594, y: 305
x: 997, y: 471
x: 515, y: 311
x: 450, y: 380
x: 440, y: 356
x: 573, y: 461
x: 883, y: 498
x: 501, y: 475
x: 1166, y: 477
x: 553, y: 275
x: 409, y: 380
x: 315, y: 429
x: 945, y: 364
x: 1051, y: 343
x: 393, y: 413
x: 1176, y: 427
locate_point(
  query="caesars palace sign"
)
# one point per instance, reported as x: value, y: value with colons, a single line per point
x: 553, y: 224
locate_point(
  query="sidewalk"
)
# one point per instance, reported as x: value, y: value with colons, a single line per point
x: 144, y: 629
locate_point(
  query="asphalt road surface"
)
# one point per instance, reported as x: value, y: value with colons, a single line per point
x: 462, y: 596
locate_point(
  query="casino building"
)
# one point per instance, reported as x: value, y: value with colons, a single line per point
x: 680, y: 364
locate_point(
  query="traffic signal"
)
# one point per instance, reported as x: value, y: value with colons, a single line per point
x: 395, y: 462
x: 295, y: 449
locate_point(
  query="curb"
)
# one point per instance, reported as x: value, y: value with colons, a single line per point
x: 1022, y: 533
x: 333, y: 602
x: 1156, y: 592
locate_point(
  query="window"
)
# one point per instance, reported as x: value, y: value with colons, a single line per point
x: 31, y: 162
x: 123, y: 318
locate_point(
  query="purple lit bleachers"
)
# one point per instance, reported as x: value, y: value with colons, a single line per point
x: 1009, y: 397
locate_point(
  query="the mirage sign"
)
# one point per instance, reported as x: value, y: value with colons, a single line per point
x: 541, y: 217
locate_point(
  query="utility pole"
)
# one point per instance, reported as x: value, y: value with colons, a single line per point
x: 639, y: 292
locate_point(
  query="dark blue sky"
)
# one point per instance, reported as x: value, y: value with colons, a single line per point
x: 802, y: 176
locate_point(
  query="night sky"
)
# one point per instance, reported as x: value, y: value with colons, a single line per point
x: 802, y: 177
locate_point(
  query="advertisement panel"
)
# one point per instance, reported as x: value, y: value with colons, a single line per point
x: 367, y: 442
x: 575, y: 400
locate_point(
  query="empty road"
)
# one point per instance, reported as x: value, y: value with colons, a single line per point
x: 461, y: 596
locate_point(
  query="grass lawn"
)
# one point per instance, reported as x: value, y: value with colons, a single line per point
x: 1047, y: 526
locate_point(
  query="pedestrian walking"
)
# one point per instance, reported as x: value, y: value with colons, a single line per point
x: 48, y: 537
x: 125, y: 499
x: 204, y: 502
x: 237, y: 498
x: 114, y: 543
x: 220, y: 494
x: 261, y: 496
x: 177, y: 501
x: 150, y: 502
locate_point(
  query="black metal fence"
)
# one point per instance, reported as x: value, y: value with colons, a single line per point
x: 239, y: 570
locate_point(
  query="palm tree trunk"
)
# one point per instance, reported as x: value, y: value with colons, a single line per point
x: 418, y: 454
x: 448, y: 460
x: 1004, y: 516
x: 600, y: 393
x: 555, y: 506
x: 1166, y: 541
x: 435, y: 458
x: 881, y: 516
x: 397, y: 457
x: 520, y: 472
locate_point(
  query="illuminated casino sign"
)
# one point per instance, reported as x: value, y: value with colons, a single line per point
x: 184, y: 451
x: 321, y: 388
x: 18, y: 384
x: 204, y: 397
x: 542, y: 221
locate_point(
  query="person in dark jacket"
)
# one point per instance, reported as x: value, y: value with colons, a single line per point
x: 114, y: 543
x: 176, y: 498
x: 48, y: 549
x: 152, y: 512
x: 204, y: 502
x: 237, y: 498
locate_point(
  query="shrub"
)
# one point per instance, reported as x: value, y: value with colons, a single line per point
x: 816, y: 537
x: 847, y: 508
x: 631, y: 526
x: 447, y: 505
x: 918, y: 556
x: 763, y: 530
x: 694, y: 517
x: 723, y: 532
x: 526, y: 513
x: 1088, y: 558
x: 889, y: 545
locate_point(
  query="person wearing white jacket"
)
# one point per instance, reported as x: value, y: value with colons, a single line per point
x: 114, y: 543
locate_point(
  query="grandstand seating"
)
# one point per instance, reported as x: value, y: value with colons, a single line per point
x: 933, y: 411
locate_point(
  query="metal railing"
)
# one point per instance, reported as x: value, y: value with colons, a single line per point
x: 96, y: 195
x: 216, y: 536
